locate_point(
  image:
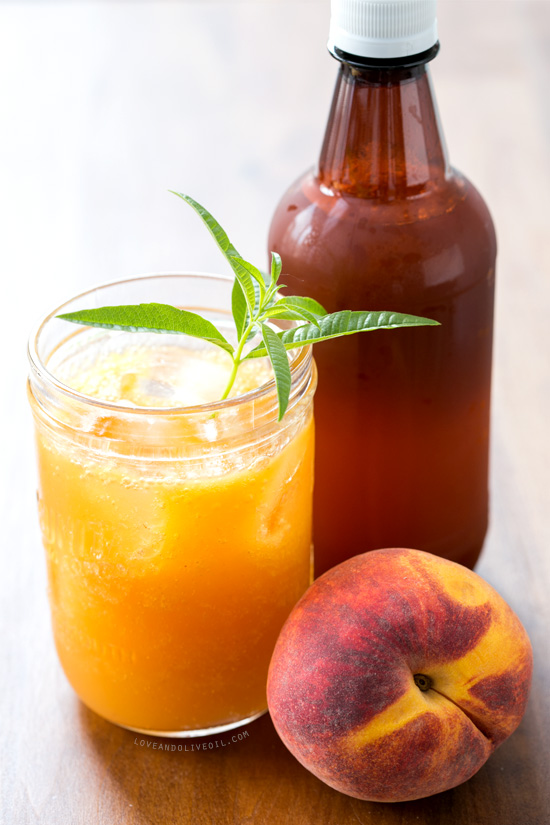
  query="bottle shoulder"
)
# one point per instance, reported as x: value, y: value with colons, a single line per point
x: 446, y: 236
x: 336, y: 206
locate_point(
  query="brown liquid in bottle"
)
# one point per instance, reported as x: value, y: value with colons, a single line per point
x: 402, y: 415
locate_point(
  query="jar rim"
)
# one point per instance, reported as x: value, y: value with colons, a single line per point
x: 301, y: 362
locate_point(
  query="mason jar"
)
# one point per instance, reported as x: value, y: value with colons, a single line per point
x: 177, y: 535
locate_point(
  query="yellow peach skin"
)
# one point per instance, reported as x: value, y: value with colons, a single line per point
x: 397, y: 675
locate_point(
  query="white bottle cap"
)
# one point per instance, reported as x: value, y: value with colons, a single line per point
x: 382, y: 29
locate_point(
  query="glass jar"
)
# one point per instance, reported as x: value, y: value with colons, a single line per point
x: 178, y: 538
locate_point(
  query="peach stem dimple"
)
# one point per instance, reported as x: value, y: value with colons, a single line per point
x: 422, y: 681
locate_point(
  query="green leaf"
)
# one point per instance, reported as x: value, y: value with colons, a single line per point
x: 249, y: 274
x: 238, y: 308
x: 252, y: 270
x: 259, y: 298
x: 247, y: 286
x: 257, y: 305
x: 150, y: 318
x: 244, y: 271
x: 294, y: 308
x: 249, y: 277
x: 219, y: 234
x: 280, y: 310
x: 281, y: 368
x: 346, y: 322
x: 276, y: 267
x: 309, y: 304
x: 272, y: 296
x: 274, y: 286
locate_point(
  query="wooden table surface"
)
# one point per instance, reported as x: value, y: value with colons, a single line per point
x: 105, y: 106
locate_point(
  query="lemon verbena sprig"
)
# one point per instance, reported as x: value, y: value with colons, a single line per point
x: 255, y: 301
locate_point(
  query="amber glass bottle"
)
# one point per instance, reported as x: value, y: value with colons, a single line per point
x: 383, y: 222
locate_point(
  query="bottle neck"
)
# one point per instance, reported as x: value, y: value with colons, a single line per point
x: 383, y: 139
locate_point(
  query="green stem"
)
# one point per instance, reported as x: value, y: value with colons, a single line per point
x: 237, y: 360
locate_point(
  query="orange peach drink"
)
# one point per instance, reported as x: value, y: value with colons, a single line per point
x: 177, y: 540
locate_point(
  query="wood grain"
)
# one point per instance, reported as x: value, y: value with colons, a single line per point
x: 106, y: 105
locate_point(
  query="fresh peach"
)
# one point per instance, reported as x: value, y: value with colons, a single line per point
x: 397, y: 675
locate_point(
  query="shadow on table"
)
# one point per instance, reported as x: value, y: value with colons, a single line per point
x: 248, y: 776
